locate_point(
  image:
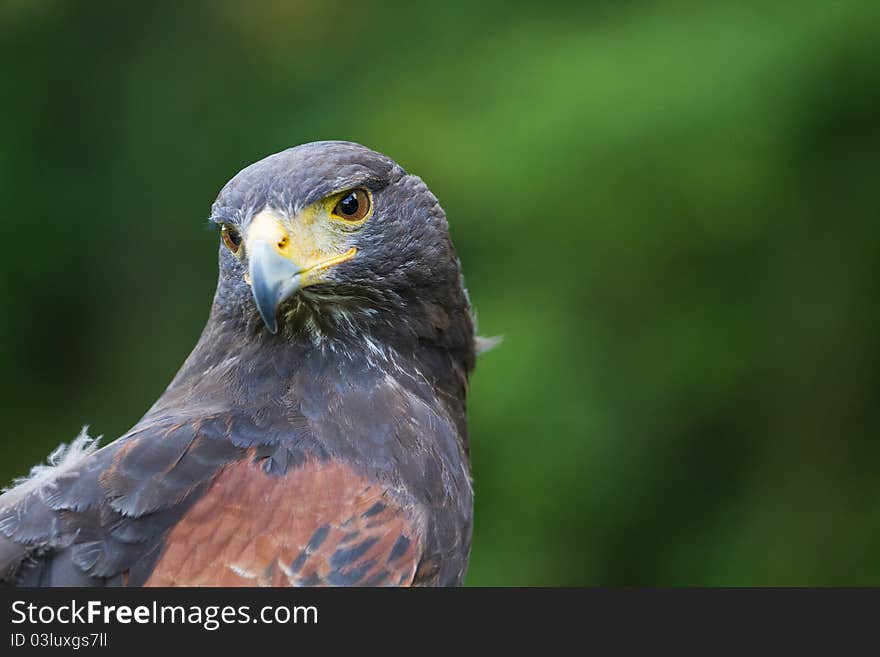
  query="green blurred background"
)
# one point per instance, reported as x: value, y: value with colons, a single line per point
x: 670, y: 210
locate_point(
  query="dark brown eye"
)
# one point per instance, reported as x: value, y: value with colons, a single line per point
x: 354, y: 206
x: 231, y: 238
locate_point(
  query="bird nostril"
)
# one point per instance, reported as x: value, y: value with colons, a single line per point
x: 282, y: 243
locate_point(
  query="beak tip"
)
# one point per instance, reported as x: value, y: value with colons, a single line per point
x: 273, y: 278
x: 269, y: 321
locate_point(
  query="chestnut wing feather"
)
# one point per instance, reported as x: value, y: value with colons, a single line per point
x: 319, y: 524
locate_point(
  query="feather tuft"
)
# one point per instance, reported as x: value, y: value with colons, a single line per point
x: 64, y: 459
x: 483, y: 344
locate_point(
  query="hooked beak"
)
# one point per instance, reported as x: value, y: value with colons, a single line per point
x: 275, y: 270
x: 274, y: 278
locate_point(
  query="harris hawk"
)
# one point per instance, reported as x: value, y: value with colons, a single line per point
x: 316, y: 435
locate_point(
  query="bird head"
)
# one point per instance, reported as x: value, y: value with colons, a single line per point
x: 336, y: 237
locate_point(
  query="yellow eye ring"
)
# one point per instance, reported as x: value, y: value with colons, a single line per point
x: 231, y: 238
x: 353, y: 206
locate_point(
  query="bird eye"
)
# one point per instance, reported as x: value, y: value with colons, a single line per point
x: 231, y: 238
x: 354, y: 206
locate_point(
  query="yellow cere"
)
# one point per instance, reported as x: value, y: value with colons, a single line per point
x: 313, y: 239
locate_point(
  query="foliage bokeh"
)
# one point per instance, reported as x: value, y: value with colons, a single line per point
x: 668, y: 209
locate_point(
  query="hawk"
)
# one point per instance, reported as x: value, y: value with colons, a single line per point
x: 316, y: 434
